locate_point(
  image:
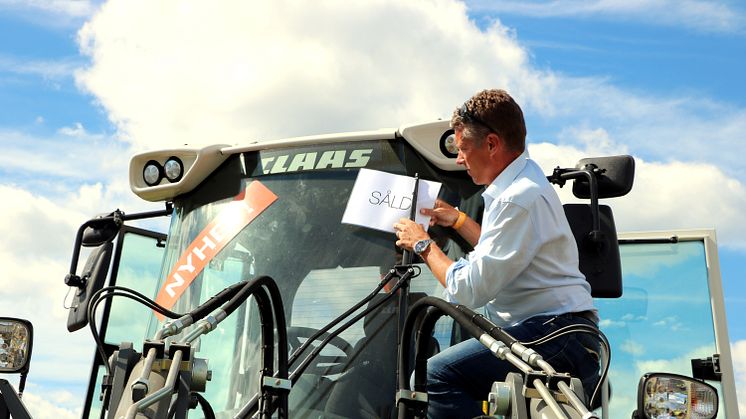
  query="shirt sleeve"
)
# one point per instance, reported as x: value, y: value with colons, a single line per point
x: 506, y: 247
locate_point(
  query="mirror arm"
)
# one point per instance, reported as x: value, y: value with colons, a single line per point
x: 591, y: 172
x: 118, y: 217
x: 72, y: 279
x: 150, y: 214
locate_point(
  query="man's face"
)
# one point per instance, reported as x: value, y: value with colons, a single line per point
x: 475, y: 158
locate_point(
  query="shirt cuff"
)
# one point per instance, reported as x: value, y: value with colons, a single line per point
x: 451, y: 274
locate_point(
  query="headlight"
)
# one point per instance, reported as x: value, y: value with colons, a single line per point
x: 448, y: 144
x: 676, y: 396
x: 174, y: 169
x: 152, y: 173
x: 15, y: 344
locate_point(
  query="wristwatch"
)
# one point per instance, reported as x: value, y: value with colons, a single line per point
x: 421, y: 245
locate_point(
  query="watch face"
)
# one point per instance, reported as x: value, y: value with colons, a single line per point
x: 421, y: 245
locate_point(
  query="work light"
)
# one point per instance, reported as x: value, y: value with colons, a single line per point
x: 173, y: 169
x: 152, y: 173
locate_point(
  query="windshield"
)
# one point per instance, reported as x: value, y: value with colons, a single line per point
x: 322, y: 267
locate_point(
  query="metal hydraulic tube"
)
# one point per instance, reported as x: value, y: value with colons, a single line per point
x: 426, y: 312
x: 148, y: 386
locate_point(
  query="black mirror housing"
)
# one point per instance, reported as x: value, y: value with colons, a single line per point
x: 100, y: 231
x: 616, y: 176
x: 94, y: 276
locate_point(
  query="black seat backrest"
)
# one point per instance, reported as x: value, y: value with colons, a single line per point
x: 599, y: 258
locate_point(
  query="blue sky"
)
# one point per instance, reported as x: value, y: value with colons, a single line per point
x: 84, y: 85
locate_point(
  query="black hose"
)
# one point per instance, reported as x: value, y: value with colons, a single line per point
x: 113, y: 291
x: 215, y: 301
x: 420, y: 315
x: 265, y: 303
x: 282, y: 343
x: 485, y: 324
x: 205, y: 405
x: 293, y: 377
x: 269, y: 301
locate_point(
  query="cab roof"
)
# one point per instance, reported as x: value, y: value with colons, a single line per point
x: 433, y: 140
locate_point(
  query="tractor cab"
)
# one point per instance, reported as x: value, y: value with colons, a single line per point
x: 274, y: 208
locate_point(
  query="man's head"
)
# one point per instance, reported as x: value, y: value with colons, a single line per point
x: 490, y: 134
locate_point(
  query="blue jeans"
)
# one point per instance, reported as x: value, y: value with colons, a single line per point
x: 462, y: 375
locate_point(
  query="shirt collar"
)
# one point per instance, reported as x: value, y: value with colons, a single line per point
x: 505, y: 178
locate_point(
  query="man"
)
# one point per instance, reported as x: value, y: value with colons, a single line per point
x: 524, y: 266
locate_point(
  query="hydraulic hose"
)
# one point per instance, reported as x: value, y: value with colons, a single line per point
x: 269, y: 302
x: 420, y: 315
x: 251, y: 407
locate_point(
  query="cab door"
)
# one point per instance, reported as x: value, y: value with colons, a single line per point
x: 671, y: 312
x: 136, y: 264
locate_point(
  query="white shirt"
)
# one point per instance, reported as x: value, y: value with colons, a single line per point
x: 526, y: 260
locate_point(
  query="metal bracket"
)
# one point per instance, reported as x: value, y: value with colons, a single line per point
x: 707, y: 368
x: 277, y: 383
x: 530, y: 391
x: 409, y: 395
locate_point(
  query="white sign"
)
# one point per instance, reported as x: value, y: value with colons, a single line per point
x: 380, y: 199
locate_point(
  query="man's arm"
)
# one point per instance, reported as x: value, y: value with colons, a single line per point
x: 437, y: 261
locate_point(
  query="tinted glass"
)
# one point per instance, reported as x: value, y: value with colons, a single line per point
x: 322, y: 267
x: 662, y: 321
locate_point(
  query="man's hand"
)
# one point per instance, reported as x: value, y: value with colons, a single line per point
x: 408, y: 233
x: 443, y: 214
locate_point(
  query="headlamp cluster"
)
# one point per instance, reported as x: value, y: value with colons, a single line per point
x: 153, y: 172
x: 448, y: 144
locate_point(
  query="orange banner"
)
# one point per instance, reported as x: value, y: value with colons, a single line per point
x: 229, y: 222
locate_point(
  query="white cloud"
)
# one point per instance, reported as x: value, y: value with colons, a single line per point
x: 77, y: 130
x: 633, y: 348
x: 688, y: 128
x: 681, y: 365
x: 68, y: 8
x: 37, y: 237
x: 608, y: 324
x: 701, y: 15
x: 370, y: 65
x: 47, y: 69
x: 331, y: 66
x: 56, y: 166
x: 47, y: 403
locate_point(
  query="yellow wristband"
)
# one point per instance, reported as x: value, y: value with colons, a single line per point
x: 460, y: 221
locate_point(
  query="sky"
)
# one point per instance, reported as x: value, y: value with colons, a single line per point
x: 86, y: 84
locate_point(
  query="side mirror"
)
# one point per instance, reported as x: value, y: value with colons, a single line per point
x: 615, y: 176
x: 672, y: 395
x: 101, y: 230
x: 16, y: 340
x: 93, y: 277
x: 97, y: 232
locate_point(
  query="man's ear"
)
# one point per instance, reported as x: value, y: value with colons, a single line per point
x: 494, y: 142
